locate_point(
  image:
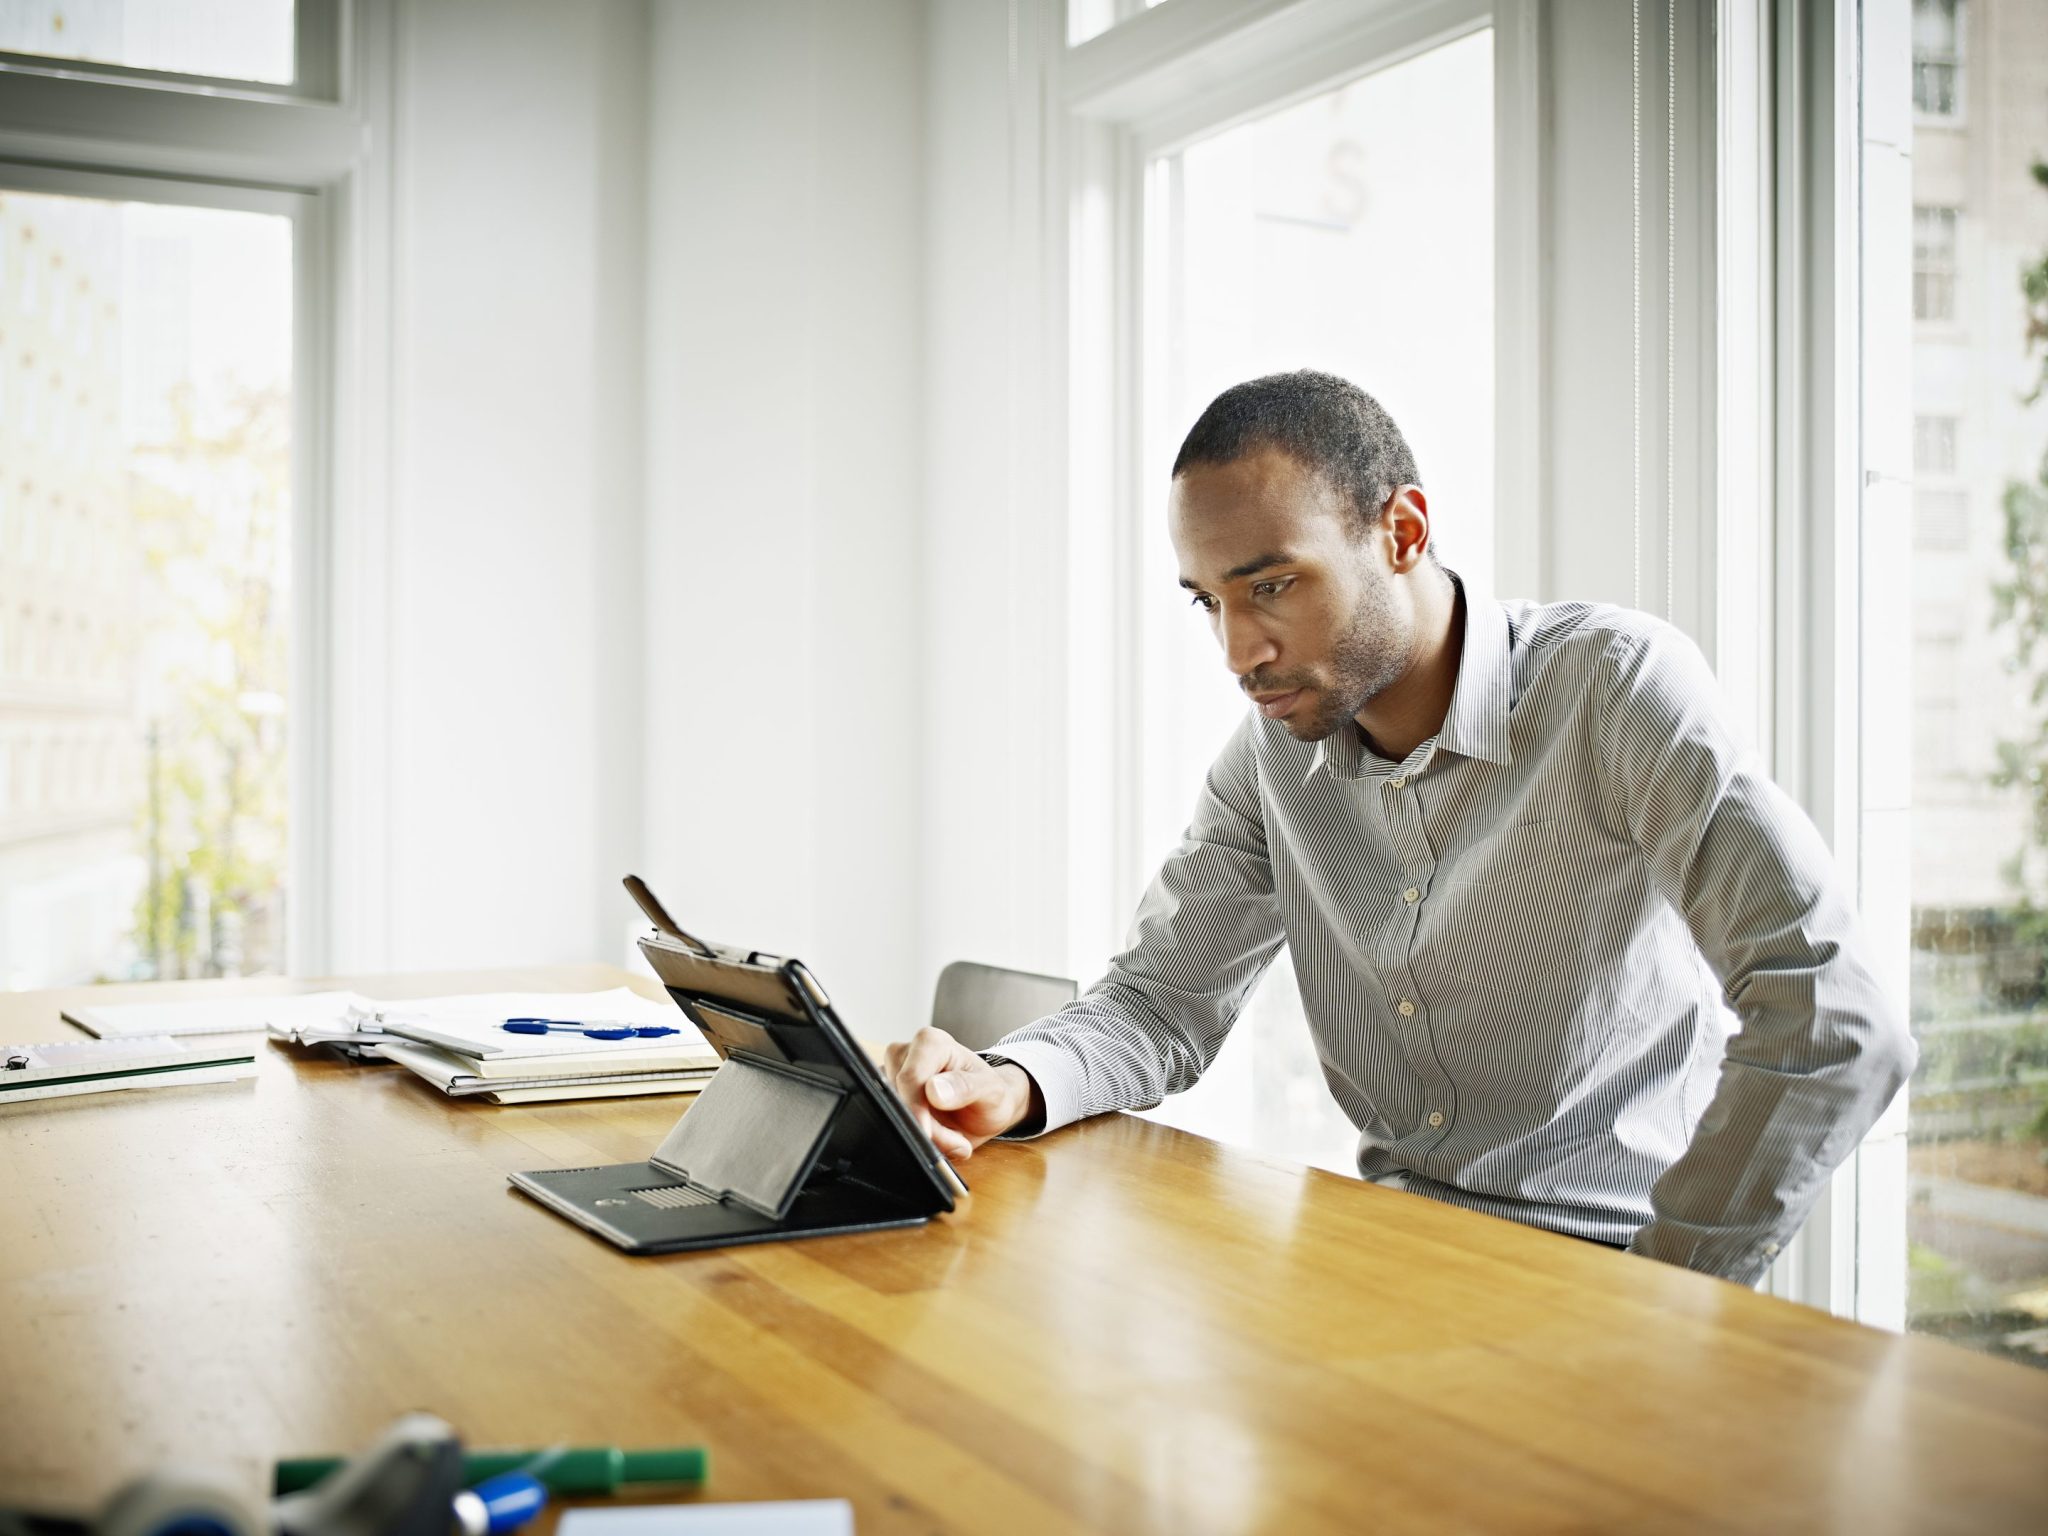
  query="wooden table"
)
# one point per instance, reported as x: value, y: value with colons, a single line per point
x: 1126, y: 1328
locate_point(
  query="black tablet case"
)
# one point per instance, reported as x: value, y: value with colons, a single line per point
x: 796, y: 1135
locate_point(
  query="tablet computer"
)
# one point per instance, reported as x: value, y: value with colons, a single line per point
x: 796, y: 1134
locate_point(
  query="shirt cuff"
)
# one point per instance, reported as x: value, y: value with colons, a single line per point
x: 1057, y: 1075
x: 1742, y: 1259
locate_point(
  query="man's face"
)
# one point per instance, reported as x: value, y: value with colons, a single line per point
x: 1300, y: 596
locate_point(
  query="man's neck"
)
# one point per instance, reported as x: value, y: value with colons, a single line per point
x: 1411, y: 710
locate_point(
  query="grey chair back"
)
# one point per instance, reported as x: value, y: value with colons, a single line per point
x: 979, y: 1004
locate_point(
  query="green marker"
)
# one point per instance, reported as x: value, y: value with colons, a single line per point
x: 567, y: 1469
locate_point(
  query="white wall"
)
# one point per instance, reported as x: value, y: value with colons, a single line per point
x: 995, y: 604
x: 656, y: 560
x: 783, y: 548
x: 513, y: 694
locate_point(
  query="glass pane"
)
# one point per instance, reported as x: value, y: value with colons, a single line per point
x: 1088, y: 18
x: 145, y: 515
x: 1977, y: 1137
x: 1283, y: 243
x: 229, y: 39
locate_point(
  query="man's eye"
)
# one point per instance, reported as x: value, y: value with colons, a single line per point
x: 1204, y: 601
x: 1271, y: 588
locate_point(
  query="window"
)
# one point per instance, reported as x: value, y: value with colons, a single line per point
x: 1273, y: 245
x: 1941, y: 518
x: 1934, y: 445
x: 187, y: 292
x: 1975, y: 1186
x: 1934, y: 263
x: 163, y: 493
x: 215, y: 39
x: 1937, y: 57
x: 1941, y: 503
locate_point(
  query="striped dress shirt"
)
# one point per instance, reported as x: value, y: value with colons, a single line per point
x: 1518, y: 948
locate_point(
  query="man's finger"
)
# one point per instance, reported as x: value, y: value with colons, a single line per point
x: 952, y: 1090
x: 923, y: 1058
x: 903, y: 1071
x: 952, y: 1143
x: 927, y: 1054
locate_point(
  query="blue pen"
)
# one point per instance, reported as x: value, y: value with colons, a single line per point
x: 589, y: 1031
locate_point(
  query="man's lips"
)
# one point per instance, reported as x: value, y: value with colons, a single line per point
x: 1274, y: 706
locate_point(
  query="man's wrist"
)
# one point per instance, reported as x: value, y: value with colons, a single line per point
x: 1024, y: 1108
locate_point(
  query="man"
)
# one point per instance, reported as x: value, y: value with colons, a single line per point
x: 1519, y: 859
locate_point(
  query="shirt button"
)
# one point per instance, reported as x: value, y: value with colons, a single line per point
x: 1770, y: 1250
x: 1405, y: 1008
x: 1436, y: 1117
x: 1411, y: 895
x: 1398, y: 783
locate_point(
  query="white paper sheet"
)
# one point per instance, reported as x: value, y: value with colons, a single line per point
x: 795, y: 1517
x: 475, y: 1026
x: 214, y: 1016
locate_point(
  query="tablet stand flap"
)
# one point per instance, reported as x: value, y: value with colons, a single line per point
x: 753, y: 1134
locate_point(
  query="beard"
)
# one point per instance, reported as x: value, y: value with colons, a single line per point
x: 1369, y: 657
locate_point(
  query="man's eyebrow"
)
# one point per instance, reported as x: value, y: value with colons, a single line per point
x: 1251, y: 567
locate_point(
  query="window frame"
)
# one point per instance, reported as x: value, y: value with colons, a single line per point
x: 1837, y: 308
x: 319, y: 154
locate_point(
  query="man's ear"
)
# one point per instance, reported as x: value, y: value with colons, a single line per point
x: 1405, y: 519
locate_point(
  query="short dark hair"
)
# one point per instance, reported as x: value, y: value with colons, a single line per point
x: 1327, y: 423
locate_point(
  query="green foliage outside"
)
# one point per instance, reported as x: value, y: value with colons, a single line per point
x: 1936, y: 1284
x: 2020, y: 603
x: 211, y: 504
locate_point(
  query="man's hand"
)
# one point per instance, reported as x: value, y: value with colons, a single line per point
x: 957, y: 1099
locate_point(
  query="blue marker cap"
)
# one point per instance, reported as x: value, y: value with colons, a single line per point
x: 500, y: 1503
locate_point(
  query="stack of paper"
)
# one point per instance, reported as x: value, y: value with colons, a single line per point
x: 459, y: 1044
x: 61, y: 1069
x: 528, y: 1079
x: 462, y: 1047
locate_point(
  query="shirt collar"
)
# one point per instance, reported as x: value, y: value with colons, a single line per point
x: 1477, y: 723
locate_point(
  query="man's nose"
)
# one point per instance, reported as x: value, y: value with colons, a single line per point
x: 1246, y: 647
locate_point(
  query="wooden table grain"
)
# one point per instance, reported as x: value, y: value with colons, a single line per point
x: 1124, y: 1328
